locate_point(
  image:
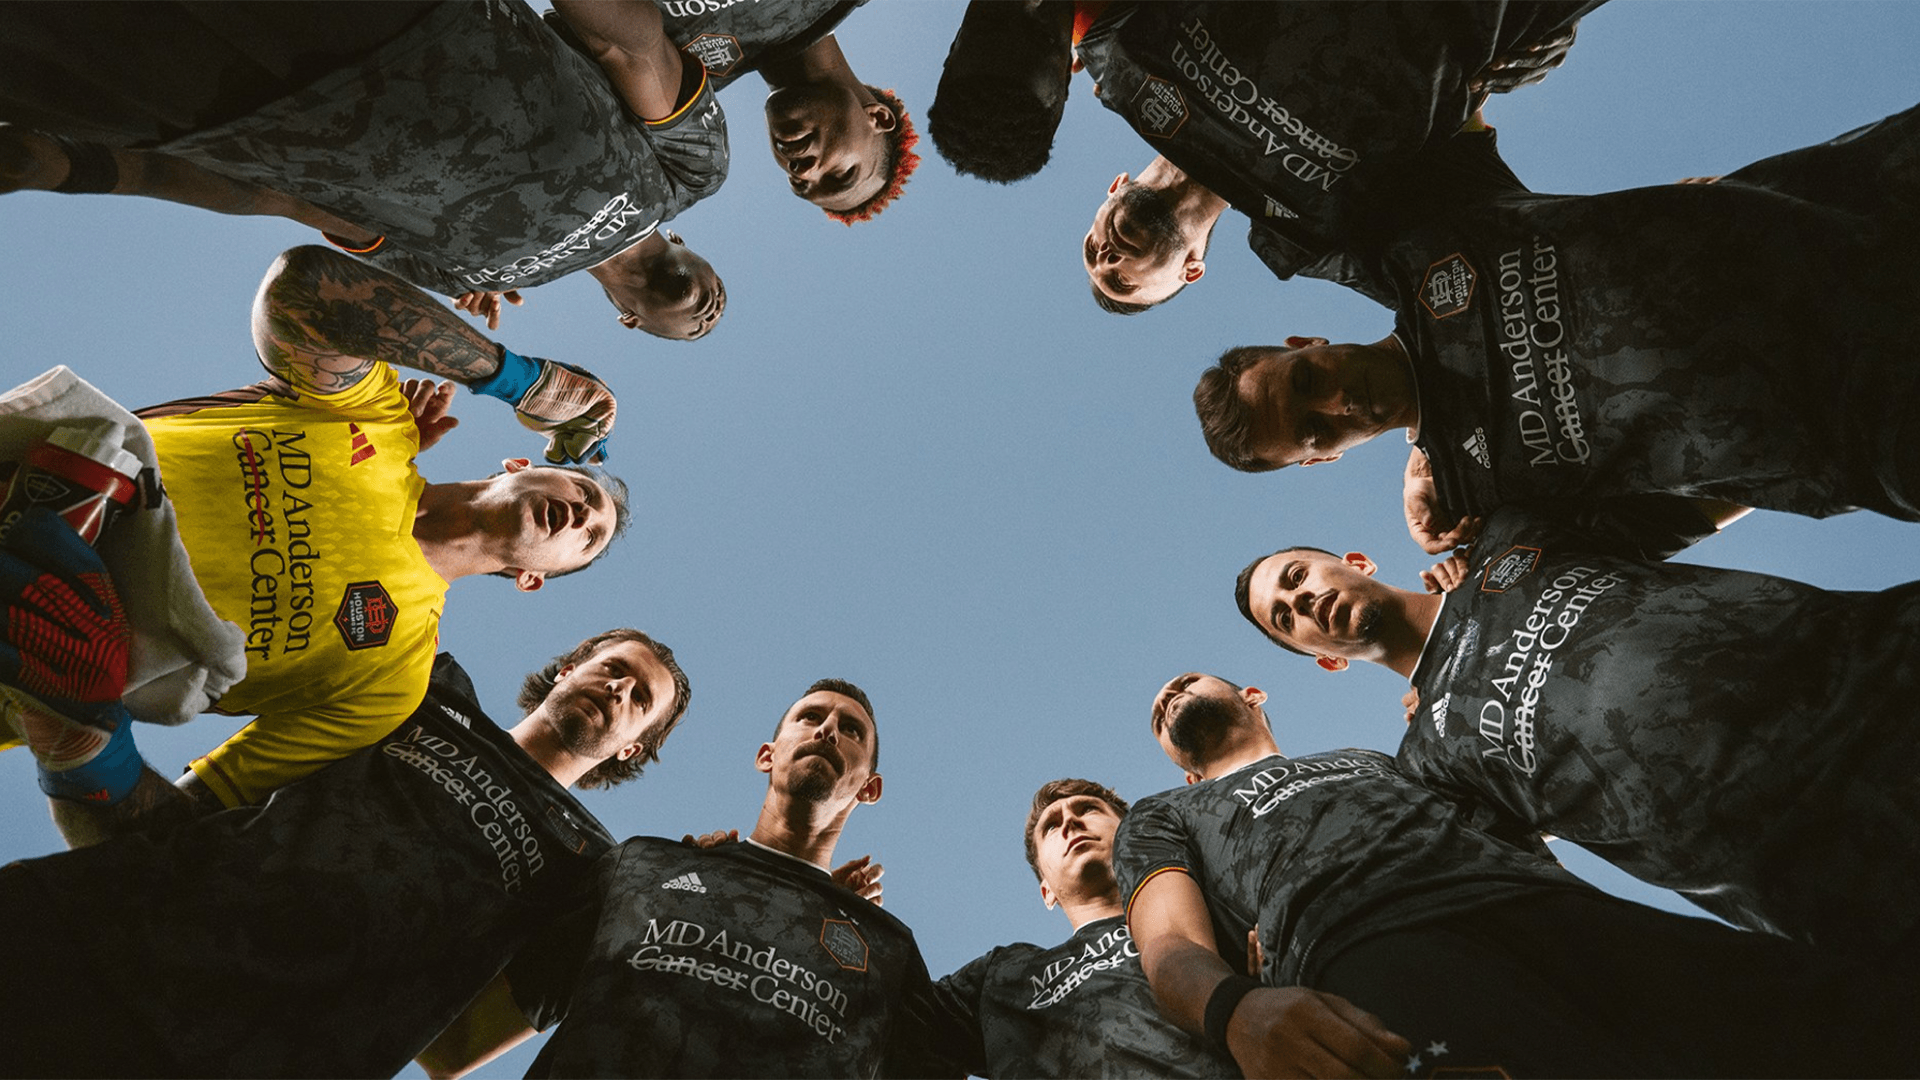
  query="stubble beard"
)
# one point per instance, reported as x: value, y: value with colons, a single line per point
x: 1198, y: 724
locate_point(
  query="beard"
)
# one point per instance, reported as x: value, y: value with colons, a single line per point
x: 579, y: 725
x: 814, y: 783
x: 1366, y: 626
x: 1197, y: 724
x: 1151, y: 215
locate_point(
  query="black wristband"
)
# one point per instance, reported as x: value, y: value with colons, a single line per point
x: 1220, y: 1005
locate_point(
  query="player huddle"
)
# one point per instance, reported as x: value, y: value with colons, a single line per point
x: 1590, y: 385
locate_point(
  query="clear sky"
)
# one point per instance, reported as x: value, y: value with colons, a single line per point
x: 915, y: 455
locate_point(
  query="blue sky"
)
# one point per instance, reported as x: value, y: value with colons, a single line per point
x: 915, y: 455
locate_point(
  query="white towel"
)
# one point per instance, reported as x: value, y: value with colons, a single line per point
x: 184, y: 656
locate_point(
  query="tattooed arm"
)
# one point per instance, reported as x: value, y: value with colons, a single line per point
x: 153, y: 805
x: 323, y: 319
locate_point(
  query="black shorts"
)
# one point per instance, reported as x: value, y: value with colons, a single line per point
x: 1572, y: 983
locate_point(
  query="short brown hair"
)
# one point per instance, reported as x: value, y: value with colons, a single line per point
x: 613, y: 771
x: 1226, y: 420
x: 1052, y: 792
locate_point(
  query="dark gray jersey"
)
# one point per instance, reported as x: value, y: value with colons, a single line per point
x: 1749, y: 341
x: 1302, y: 115
x: 1743, y: 739
x: 1079, y: 1009
x: 731, y: 961
x: 1320, y: 851
x: 733, y: 37
x: 490, y: 154
x: 337, y: 928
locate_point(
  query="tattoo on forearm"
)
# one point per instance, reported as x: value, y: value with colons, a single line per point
x: 153, y: 805
x: 325, y: 318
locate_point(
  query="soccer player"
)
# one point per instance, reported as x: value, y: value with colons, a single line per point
x: 336, y: 929
x: 1735, y: 737
x: 308, y: 526
x: 463, y: 146
x: 745, y: 959
x: 1081, y: 1008
x: 1401, y: 940
x: 1577, y: 347
x: 846, y: 146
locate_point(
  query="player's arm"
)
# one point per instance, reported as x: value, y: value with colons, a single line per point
x: 1431, y: 527
x: 490, y: 1026
x: 1270, y: 1031
x: 627, y: 39
x: 323, y: 320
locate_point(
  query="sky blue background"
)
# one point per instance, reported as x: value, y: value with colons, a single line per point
x: 915, y: 455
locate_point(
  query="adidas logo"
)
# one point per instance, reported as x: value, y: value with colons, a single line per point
x: 1476, y: 445
x: 1440, y: 710
x: 1275, y: 209
x: 689, y: 882
x: 362, y: 446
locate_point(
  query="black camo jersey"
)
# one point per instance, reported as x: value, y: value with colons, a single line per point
x: 1320, y: 851
x: 1751, y: 340
x: 490, y: 154
x: 733, y: 37
x: 730, y: 961
x: 1746, y: 740
x: 1302, y: 115
x: 1079, y: 1009
x: 337, y: 928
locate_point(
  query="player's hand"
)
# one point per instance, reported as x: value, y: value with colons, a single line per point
x: 1525, y: 65
x: 66, y: 636
x: 1446, y: 575
x: 861, y: 875
x: 430, y: 402
x: 1293, y: 1032
x: 1256, y: 955
x: 573, y: 408
x: 1410, y: 701
x: 712, y: 839
x: 487, y: 304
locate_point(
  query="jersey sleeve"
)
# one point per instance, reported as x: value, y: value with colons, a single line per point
x: 927, y: 1039
x: 962, y: 994
x: 541, y: 975
x: 376, y: 398
x: 282, y: 746
x: 1151, y: 840
x: 1654, y: 527
x: 691, y: 148
x: 408, y: 266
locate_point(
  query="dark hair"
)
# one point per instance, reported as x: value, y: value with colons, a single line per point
x: 898, y: 166
x: 1052, y: 792
x: 612, y: 771
x: 848, y: 690
x: 616, y: 490
x: 1226, y: 420
x: 989, y: 119
x: 1243, y: 593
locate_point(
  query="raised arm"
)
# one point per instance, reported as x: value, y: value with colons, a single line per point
x: 628, y: 41
x: 322, y: 320
x: 1270, y: 1031
x: 490, y: 1026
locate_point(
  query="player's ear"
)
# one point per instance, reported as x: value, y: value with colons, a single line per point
x: 1194, y: 270
x: 515, y: 464
x: 763, y: 758
x: 1321, y: 460
x: 1297, y: 342
x: 1254, y: 696
x: 869, y: 791
x: 880, y: 118
x: 1360, y: 562
x: 1047, y: 897
x: 1331, y: 663
x: 527, y: 580
x: 1117, y: 181
x: 1192, y: 779
x: 627, y: 751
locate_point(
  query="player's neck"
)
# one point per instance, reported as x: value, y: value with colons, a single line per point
x: 1195, y: 206
x: 1406, y: 636
x: 1081, y: 911
x: 448, y: 535
x: 805, y: 830
x: 821, y: 62
x: 541, y: 742
x: 1239, y: 749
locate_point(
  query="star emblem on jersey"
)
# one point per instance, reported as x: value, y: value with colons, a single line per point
x: 1504, y: 572
x: 366, y: 615
x: 844, y: 943
x: 1159, y: 107
x: 1448, y: 289
x: 718, y: 53
x: 688, y: 882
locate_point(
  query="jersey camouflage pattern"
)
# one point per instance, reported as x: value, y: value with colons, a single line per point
x: 1301, y: 116
x: 733, y: 37
x: 730, y: 961
x: 336, y: 929
x: 1079, y: 1009
x: 1748, y: 341
x: 1320, y: 851
x: 1743, y: 739
x: 489, y: 153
